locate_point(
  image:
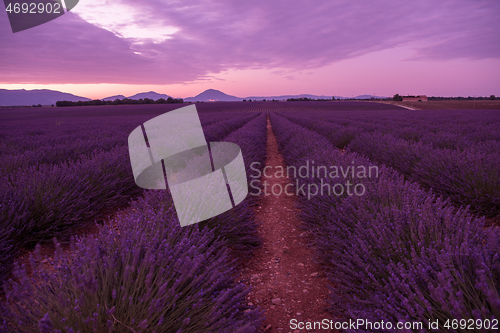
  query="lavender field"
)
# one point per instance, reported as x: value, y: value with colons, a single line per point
x: 400, y: 252
x: 421, y: 243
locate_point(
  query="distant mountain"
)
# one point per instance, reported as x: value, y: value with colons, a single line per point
x: 34, y: 97
x: 112, y: 98
x: 217, y: 95
x: 213, y: 95
x: 151, y: 95
x: 366, y: 97
x: 47, y: 97
x: 285, y: 97
x: 282, y: 97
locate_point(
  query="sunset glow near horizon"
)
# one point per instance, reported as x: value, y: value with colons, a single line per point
x: 181, y: 48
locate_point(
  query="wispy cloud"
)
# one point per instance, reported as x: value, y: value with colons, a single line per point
x: 166, y: 42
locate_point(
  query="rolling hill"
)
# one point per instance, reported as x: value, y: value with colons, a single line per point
x: 213, y: 95
x: 34, y: 97
x: 112, y: 98
x: 150, y: 94
x: 25, y: 97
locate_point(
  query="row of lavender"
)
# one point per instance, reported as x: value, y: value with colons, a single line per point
x: 53, y: 141
x: 468, y: 176
x: 143, y: 272
x: 441, y: 128
x: 46, y: 199
x: 396, y: 253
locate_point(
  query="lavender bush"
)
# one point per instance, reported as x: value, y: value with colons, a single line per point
x: 446, y: 140
x: 467, y: 177
x: 43, y: 200
x: 52, y: 142
x: 339, y: 135
x: 453, y: 129
x: 398, y: 252
x: 238, y: 225
x: 38, y: 204
x: 142, y: 273
x: 396, y: 153
x: 220, y: 130
x: 464, y: 169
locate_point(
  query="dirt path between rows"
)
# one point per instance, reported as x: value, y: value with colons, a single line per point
x: 286, y: 281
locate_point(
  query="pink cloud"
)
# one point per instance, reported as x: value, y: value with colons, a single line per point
x: 214, y: 36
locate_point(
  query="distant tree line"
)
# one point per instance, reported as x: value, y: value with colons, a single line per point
x: 124, y: 101
x: 264, y: 100
x: 479, y: 98
x: 305, y: 99
x: 397, y: 97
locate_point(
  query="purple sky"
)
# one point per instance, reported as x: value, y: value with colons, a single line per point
x: 245, y: 48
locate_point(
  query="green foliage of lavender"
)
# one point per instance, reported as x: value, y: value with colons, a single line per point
x: 397, y: 253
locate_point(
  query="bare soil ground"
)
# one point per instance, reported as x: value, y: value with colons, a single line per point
x: 286, y: 281
x: 451, y: 105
